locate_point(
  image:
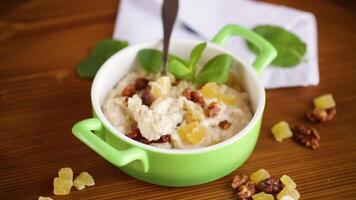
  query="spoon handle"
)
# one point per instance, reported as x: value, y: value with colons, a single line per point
x: 169, y: 14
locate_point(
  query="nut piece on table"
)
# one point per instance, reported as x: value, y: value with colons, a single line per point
x: 239, y: 180
x: 246, y: 191
x: 259, y: 176
x: 321, y: 115
x: 306, y: 136
x: 82, y: 180
x: 270, y: 186
x: 224, y: 124
x: 281, y: 131
x: 325, y: 101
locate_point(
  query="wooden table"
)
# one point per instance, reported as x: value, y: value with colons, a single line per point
x: 41, y: 42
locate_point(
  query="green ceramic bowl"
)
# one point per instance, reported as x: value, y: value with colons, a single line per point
x: 176, y: 167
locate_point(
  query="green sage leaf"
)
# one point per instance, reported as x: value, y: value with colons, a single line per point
x: 150, y: 60
x: 196, y: 54
x: 290, y: 48
x: 103, y: 50
x: 215, y: 70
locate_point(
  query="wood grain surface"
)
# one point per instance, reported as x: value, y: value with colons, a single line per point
x: 42, y: 41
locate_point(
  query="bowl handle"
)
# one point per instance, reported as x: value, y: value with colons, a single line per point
x: 83, y: 131
x: 267, y: 51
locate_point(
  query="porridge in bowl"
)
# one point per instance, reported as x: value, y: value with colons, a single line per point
x: 177, y: 113
x: 168, y: 113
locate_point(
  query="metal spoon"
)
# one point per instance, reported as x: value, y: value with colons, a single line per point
x: 169, y: 14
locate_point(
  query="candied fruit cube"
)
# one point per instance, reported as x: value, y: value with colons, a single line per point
x: 288, y: 182
x: 287, y: 191
x: 62, y: 186
x: 211, y: 90
x: 161, y: 86
x: 262, y: 196
x: 294, y: 194
x: 281, y: 131
x: 44, y: 198
x: 82, y: 180
x: 229, y: 100
x: 194, y: 112
x: 325, y: 101
x: 192, y: 133
x: 287, y: 198
x: 259, y: 176
x: 66, y: 173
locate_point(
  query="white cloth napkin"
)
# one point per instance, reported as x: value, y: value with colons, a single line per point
x: 139, y: 21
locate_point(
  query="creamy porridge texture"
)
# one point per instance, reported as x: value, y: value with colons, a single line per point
x: 167, y: 113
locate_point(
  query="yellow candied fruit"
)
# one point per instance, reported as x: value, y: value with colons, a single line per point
x: 281, y: 131
x: 82, y: 180
x: 66, y: 173
x: 287, y: 198
x: 194, y: 112
x: 262, y: 196
x: 192, y: 133
x: 62, y: 186
x: 228, y: 99
x: 259, y: 176
x: 211, y: 90
x: 64, y: 182
x: 288, y: 182
x: 325, y: 101
x: 287, y: 191
x: 161, y: 86
x: 44, y: 198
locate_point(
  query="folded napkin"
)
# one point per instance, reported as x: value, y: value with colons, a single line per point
x: 139, y: 21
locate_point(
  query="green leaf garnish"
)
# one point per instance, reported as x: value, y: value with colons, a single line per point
x: 187, y: 70
x: 179, y: 69
x: 215, y: 70
x: 150, y: 60
x: 103, y: 50
x: 196, y: 54
x: 289, y: 47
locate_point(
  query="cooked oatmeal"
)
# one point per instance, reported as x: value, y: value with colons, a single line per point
x: 167, y: 113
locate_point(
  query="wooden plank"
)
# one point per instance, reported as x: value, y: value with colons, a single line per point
x: 41, y: 97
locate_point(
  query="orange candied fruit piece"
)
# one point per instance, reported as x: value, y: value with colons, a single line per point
x: 228, y: 99
x: 192, y: 133
x: 259, y: 176
x: 262, y: 196
x: 161, y: 86
x: 211, y: 90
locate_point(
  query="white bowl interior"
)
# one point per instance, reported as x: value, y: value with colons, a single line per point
x: 124, y: 61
